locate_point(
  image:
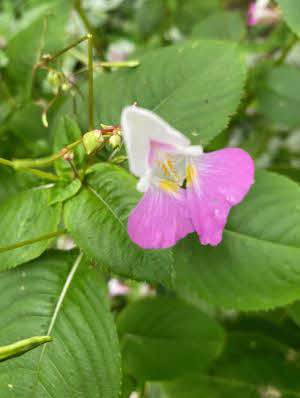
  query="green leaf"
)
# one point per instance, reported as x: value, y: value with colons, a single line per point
x: 279, y: 95
x: 40, y: 30
x: 155, y: 11
x: 196, y: 86
x: 23, y: 50
x: 57, y: 20
x: 164, y: 338
x: 257, y: 264
x: 294, y: 312
x: 21, y: 347
x: 27, y: 125
x: 253, y: 366
x: 25, y: 216
x: 223, y: 25
x: 60, y: 296
x: 96, y: 219
x: 12, y: 182
x: 191, y: 12
x: 61, y: 193
x: 291, y: 14
x: 67, y: 131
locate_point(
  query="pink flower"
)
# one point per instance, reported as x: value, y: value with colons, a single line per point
x: 163, y: 159
x: 259, y: 11
x: 117, y: 288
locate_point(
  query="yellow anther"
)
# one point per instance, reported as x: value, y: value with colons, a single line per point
x: 168, y: 168
x: 168, y: 186
x: 191, y: 174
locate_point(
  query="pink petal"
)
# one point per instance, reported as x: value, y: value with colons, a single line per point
x: 252, y: 19
x: 159, y: 219
x: 222, y: 179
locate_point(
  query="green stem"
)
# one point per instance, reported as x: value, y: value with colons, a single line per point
x: 89, y: 27
x: 31, y: 241
x: 91, y: 83
x: 120, y: 64
x: 286, y: 50
x: 53, y: 57
x: 41, y: 162
x: 42, y: 174
x: 39, y: 173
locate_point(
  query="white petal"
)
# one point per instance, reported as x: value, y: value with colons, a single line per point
x: 139, y: 127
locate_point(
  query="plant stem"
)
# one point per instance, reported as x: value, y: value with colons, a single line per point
x: 51, y: 58
x: 286, y: 50
x: 39, y: 173
x: 89, y: 27
x: 91, y: 83
x: 120, y: 64
x: 27, y: 163
x: 31, y: 241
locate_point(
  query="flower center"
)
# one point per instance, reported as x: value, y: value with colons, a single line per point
x: 168, y: 169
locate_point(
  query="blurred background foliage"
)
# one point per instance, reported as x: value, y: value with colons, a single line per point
x: 199, y: 349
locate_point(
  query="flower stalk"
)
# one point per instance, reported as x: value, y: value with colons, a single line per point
x: 90, y: 83
x: 32, y: 241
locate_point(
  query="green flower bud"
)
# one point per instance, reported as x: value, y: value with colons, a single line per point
x: 115, y: 141
x: 92, y: 141
x: 55, y: 79
x: 66, y: 86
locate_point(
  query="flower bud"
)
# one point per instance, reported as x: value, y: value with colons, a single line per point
x: 55, y: 79
x: 115, y: 141
x: 69, y: 156
x: 66, y: 86
x: 92, y: 141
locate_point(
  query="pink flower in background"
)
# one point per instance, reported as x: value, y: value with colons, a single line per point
x: 117, y: 288
x: 259, y: 10
x: 163, y: 159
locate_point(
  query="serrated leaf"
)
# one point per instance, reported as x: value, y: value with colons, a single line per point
x: 294, y: 312
x: 278, y: 96
x: 61, y: 296
x: 97, y: 218
x: 253, y: 366
x: 291, y: 14
x: 25, y: 216
x: 257, y: 264
x: 196, y: 86
x: 163, y: 338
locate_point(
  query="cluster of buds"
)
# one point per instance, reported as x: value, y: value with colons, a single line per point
x: 94, y: 139
x: 58, y: 81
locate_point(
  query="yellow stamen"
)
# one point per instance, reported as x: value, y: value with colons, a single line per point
x: 168, y: 186
x: 191, y: 174
x: 168, y: 168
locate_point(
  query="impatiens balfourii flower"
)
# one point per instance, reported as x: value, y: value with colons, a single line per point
x: 185, y: 190
x: 260, y: 10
